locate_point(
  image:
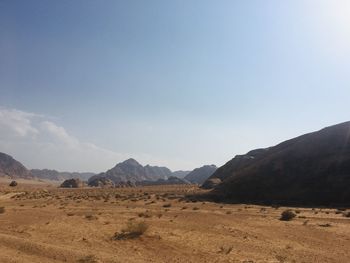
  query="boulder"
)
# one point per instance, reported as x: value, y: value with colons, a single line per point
x: 72, y: 183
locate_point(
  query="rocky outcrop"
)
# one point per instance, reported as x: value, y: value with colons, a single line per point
x: 72, y: 183
x: 101, y: 182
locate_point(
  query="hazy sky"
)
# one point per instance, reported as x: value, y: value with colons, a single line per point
x: 86, y: 84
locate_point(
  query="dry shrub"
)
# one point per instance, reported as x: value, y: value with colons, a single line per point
x: 145, y: 214
x: 91, y: 217
x: 346, y: 214
x: 2, y: 210
x: 133, y: 230
x: 287, y: 215
x: 89, y: 259
x: 225, y: 249
x: 325, y: 225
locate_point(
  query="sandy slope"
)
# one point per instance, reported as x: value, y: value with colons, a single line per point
x: 56, y: 225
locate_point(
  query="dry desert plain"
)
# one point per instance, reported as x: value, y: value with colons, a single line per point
x: 43, y: 223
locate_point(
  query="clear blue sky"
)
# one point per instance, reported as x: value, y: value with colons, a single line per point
x: 85, y: 84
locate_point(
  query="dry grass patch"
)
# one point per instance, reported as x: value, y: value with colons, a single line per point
x: 132, y: 230
x: 89, y: 259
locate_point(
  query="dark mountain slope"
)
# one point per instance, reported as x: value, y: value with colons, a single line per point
x: 310, y: 169
x: 180, y: 174
x: 199, y: 175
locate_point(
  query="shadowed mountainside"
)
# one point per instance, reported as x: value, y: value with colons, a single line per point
x: 180, y: 174
x: 199, y: 175
x: 310, y: 169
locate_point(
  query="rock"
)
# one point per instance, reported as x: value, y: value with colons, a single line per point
x: 13, y: 184
x: 101, y: 182
x: 72, y: 183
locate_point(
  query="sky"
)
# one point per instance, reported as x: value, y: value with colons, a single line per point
x: 86, y: 84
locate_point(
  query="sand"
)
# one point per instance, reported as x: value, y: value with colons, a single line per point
x: 42, y: 223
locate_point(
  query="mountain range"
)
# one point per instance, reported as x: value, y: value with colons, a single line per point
x: 59, y: 176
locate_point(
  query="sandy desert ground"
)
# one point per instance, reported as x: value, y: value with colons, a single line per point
x: 41, y: 223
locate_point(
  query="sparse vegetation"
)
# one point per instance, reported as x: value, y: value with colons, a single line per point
x: 2, y: 210
x: 346, y: 214
x: 287, y: 215
x: 133, y: 230
x: 91, y: 217
x: 88, y: 259
x: 145, y: 214
x: 325, y: 225
x: 100, y: 217
x: 225, y: 249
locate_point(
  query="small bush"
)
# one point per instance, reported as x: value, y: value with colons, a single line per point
x: 132, y: 230
x: 91, y: 217
x: 167, y: 205
x: 287, y: 215
x: 88, y: 259
x: 2, y: 210
x: 144, y: 214
x: 225, y: 249
x: 325, y: 225
x: 346, y: 214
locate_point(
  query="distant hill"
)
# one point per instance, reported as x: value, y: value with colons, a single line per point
x: 130, y: 170
x: 59, y: 176
x: 180, y: 174
x: 310, y: 169
x: 12, y: 168
x: 199, y: 175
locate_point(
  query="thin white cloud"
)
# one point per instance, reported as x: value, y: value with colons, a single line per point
x: 17, y: 123
x: 40, y: 143
x: 59, y: 133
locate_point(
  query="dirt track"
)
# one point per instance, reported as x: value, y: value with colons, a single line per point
x: 57, y: 225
